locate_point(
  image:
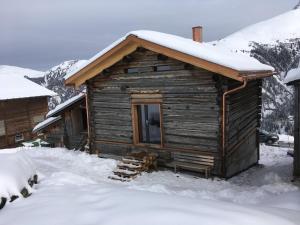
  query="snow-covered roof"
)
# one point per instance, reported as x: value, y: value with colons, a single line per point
x: 45, y: 123
x: 205, y: 51
x: 65, y: 104
x: 292, y: 75
x: 13, y: 86
x: 14, y: 70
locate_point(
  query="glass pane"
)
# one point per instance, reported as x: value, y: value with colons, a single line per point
x: 149, y: 123
x: 154, y: 123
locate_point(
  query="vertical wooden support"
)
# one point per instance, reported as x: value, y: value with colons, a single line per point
x: 296, y: 171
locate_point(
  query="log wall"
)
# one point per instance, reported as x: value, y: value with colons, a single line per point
x: 243, y: 120
x: 190, y: 110
x: 18, y: 115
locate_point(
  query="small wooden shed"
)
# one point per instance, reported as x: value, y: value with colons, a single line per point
x: 66, y: 125
x: 23, y: 104
x: 293, y: 78
x: 165, y: 94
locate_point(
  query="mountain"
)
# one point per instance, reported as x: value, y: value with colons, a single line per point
x: 275, y: 42
x: 279, y: 29
x: 54, y: 80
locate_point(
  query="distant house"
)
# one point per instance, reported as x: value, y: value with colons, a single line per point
x: 293, y: 78
x: 171, y: 96
x: 66, y: 125
x: 23, y: 104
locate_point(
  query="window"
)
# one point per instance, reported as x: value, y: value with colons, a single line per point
x: 162, y: 68
x: 146, y: 119
x: 149, y: 123
x: 38, y: 119
x: 19, y: 137
x: 132, y: 70
x: 2, y: 128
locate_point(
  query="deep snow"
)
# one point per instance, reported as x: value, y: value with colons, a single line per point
x: 74, y: 189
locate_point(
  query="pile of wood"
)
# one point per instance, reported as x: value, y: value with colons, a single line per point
x: 134, y: 164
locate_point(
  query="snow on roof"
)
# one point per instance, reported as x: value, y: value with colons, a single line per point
x: 65, y: 104
x: 13, y: 86
x: 215, y: 54
x: 292, y: 75
x: 12, y: 70
x: 279, y: 28
x: 45, y: 123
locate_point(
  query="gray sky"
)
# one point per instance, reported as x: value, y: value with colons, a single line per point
x: 40, y: 34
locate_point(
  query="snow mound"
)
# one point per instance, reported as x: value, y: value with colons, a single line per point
x: 280, y: 28
x: 15, y: 170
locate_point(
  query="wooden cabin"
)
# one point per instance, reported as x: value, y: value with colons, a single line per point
x: 293, y: 78
x: 165, y: 94
x: 23, y: 104
x: 66, y: 125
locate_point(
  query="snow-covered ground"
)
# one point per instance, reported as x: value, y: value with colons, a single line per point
x: 74, y: 189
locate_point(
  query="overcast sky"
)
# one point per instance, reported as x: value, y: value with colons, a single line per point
x: 40, y: 34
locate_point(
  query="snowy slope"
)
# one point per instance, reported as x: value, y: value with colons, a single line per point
x: 74, y: 189
x: 14, y: 70
x: 280, y: 28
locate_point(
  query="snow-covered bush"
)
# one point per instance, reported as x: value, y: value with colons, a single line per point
x: 17, y: 172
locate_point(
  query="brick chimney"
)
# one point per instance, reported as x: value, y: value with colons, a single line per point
x: 197, y: 34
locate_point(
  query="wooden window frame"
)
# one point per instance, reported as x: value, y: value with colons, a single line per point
x: 18, y: 140
x: 145, y: 99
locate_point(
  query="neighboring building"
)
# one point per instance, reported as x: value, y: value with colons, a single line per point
x: 161, y: 93
x: 23, y: 104
x: 293, y: 78
x: 66, y: 125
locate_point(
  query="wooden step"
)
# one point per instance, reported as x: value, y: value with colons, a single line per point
x: 128, y: 165
x: 123, y: 179
x: 125, y: 172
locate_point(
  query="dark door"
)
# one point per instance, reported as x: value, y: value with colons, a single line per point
x: 149, y: 123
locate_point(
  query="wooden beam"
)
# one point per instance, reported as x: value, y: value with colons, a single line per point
x: 108, y: 59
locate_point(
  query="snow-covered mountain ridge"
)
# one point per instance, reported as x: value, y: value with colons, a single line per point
x: 281, y: 28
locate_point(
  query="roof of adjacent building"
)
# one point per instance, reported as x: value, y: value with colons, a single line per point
x: 213, y: 58
x: 293, y: 75
x: 16, y: 86
x: 61, y: 107
x: 47, y: 122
